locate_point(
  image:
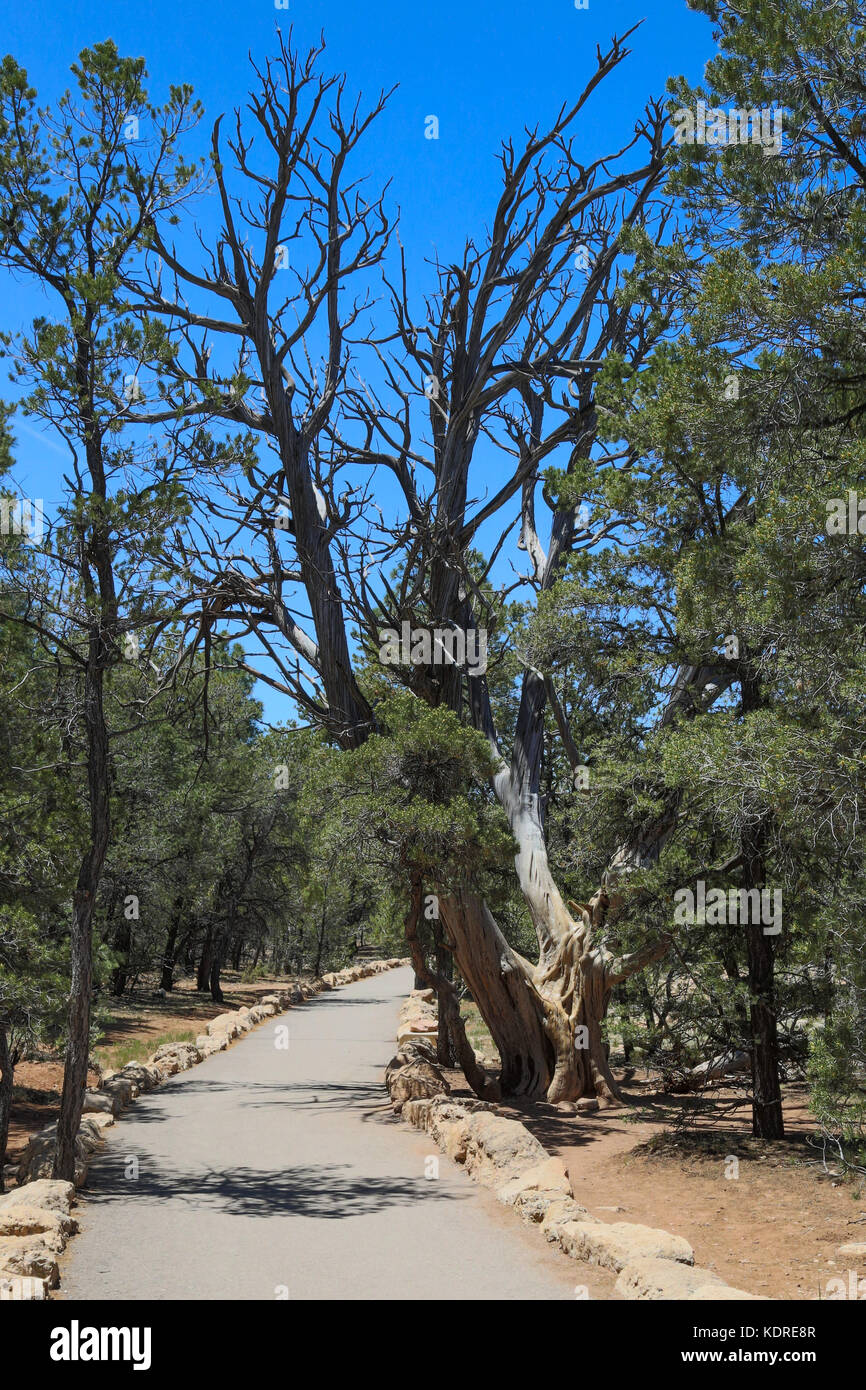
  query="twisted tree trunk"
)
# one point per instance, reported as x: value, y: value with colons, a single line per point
x: 546, y: 1019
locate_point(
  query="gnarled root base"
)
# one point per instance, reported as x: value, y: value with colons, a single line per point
x: 546, y: 1020
x: 571, y: 985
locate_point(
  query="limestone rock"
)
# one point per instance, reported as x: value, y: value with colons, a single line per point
x: 146, y: 1078
x: 416, y: 1048
x: 22, y: 1290
x: 448, y: 1123
x: 559, y: 1213
x: 37, y: 1160
x: 417, y: 1079
x: 98, y: 1102
x: 621, y: 1243
x: 498, y: 1149
x: 102, y: 1122
x: 655, y: 1279
x: 121, y: 1090
x: 406, y: 1038
x: 224, y: 1023
x: 167, y: 1066
x: 712, y: 1293
x: 49, y: 1194
x: 549, y: 1176
x: 186, y: 1055
x: 25, y: 1220
x: 416, y: 1112
x: 27, y: 1257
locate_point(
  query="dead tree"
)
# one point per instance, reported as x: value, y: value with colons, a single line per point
x: 507, y: 350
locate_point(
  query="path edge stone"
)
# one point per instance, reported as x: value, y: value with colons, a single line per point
x: 501, y: 1153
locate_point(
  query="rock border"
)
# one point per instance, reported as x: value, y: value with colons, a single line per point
x: 35, y: 1219
x: 501, y: 1154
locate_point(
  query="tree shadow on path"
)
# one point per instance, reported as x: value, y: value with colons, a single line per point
x: 321, y: 1191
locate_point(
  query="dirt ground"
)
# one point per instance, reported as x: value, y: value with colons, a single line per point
x: 135, y: 1027
x: 766, y: 1217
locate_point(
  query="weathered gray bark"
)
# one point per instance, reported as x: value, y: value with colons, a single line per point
x: 555, y: 1046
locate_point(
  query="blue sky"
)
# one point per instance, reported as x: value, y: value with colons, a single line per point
x: 485, y: 70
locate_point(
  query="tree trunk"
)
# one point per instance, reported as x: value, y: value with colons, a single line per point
x: 84, y: 901
x: 7, y: 1072
x: 202, y: 982
x: 320, y: 944
x: 122, y: 944
x: 166, y: 979
x: 187, y: 952
x: 446, y: 1049
x: 449, y: 1006
x: 767, y: 1118
x: 216, y: 993
x: 546, y: 1020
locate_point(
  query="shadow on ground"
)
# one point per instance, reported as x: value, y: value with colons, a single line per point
x: 320, y: 1190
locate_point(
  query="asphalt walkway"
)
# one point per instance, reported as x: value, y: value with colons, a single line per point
x: 282, y: 1173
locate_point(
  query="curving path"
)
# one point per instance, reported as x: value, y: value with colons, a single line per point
x: 267, y: 1173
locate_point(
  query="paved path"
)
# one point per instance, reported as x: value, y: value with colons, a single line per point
x: 265, y: 1173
